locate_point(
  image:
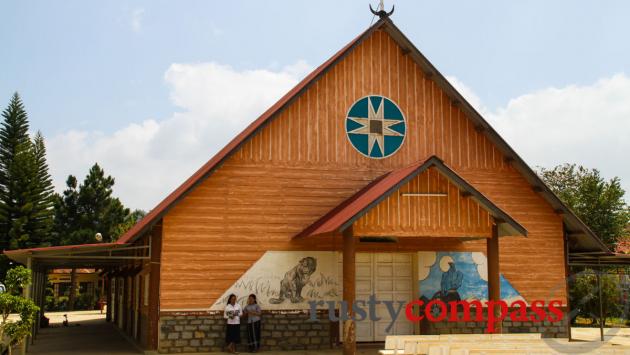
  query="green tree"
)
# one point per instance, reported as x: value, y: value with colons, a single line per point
x: 90, y: 208
x: 13, y: 332
x: 66, y: 220
x: 584, y: 296
x: 25, y: 184
x: 599, y: 203
x: 43, y: 195
x: 14, y: 142
x: 84, y: 210
x: 134, y: 217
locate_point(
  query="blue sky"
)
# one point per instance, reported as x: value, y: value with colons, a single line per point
x: 93, y: 72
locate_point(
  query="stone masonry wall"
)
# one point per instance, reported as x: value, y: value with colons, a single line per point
x: 205, y: 332
x: 546, y: 328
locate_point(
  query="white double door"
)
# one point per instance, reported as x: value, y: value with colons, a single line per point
x: 389, y: 277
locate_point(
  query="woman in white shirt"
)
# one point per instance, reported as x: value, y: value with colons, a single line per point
x: 233, y: 313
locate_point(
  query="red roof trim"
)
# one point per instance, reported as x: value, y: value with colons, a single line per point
x: 213, y: 163
x: 342, y: 216
x: 61, y: 247
x: 360, y: 201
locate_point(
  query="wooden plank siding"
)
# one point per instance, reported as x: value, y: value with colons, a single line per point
x: 301, y: 165
x: 419, y: 216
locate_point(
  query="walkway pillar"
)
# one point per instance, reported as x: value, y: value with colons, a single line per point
x: 349, y: 249
x: 108, y: 297
x: 494, y: 281
x: 154, y: 287
x: 598, y: 272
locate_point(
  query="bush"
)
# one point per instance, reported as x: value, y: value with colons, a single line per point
x: 12, y: 332
x: 84, y: 302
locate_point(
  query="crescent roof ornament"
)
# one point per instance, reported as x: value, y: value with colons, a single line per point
x: 382, y: 13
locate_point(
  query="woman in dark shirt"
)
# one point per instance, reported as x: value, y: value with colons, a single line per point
x: 253, y: 312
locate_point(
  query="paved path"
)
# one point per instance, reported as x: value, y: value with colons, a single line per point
x: 92, y: 336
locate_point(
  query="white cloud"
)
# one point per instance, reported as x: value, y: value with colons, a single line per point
x: 151, y: 158
x: 426, y: 259
x: 136, y: 19
x: 482, y: 265
x: 587, y: 125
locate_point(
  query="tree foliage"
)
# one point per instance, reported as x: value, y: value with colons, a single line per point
x: 83, y: 210
x: 13, y: 332
x: 584, y: 296
x: 597, y: 202
x: 26, y: 192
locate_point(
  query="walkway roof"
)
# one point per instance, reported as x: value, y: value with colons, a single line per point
x: 78, y: 256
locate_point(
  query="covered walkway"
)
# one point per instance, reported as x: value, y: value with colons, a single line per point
x: 87, y: 333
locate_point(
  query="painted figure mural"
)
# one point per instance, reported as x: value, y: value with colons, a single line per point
x: 455, y: 276
x: 288, y: 280
x: 294, y: 281
x: 451, y: 281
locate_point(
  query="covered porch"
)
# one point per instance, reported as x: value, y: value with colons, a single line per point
x: 93, y: 333
x: 423, y: 207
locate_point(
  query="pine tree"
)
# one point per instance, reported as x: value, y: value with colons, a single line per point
x: 14, y: 141
x: 42, y: 216
x: 87, y: 209
x: 25, y: 184
x: 66, y: 218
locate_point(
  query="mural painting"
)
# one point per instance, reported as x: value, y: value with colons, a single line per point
x: 287, y: 280
x: 455, y: 276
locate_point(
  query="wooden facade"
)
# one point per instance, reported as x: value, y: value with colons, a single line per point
x: 299, y: 166
x: 293, y: 167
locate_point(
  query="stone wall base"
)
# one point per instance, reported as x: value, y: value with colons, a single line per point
x: 205, y: 332
x: 546, y: 328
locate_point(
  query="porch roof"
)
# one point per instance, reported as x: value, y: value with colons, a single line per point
x: 79, y: 256
x: 346, y: 213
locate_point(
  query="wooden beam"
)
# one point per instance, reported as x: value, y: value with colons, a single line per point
x: 154, y: 287
x: 349, y: 251
x: 494, y: 281
x: 567, y: 276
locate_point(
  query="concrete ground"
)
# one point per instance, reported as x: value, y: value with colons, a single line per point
x: 88, y: 333
x: 618, y: 336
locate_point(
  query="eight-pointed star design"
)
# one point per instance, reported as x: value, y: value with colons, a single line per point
x: 376, y: 126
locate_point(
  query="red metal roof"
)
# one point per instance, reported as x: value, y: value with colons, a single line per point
x: 360, y: 203
x: 62, y: 248
x: 213, y: 163
x: 160, y: 210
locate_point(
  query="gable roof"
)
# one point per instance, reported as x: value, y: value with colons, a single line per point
x: 346, y: 213
x: 583, y: 239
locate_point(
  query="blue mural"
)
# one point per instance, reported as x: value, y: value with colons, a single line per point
x: 453, y: 276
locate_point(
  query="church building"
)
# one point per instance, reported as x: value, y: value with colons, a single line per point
x: 373, y: 178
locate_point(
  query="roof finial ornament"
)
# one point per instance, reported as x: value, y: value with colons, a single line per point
x: 381, y: 10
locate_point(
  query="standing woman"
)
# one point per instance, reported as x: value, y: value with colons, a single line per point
x: 253, y: 312
x: 233, y: 313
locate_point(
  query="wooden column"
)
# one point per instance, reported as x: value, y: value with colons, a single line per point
x: 494, y: 281
x: 349, y: 333
x: 154, y: 287
x: 108, y: 297
x: 567, y: 273
x: 600, y: 301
